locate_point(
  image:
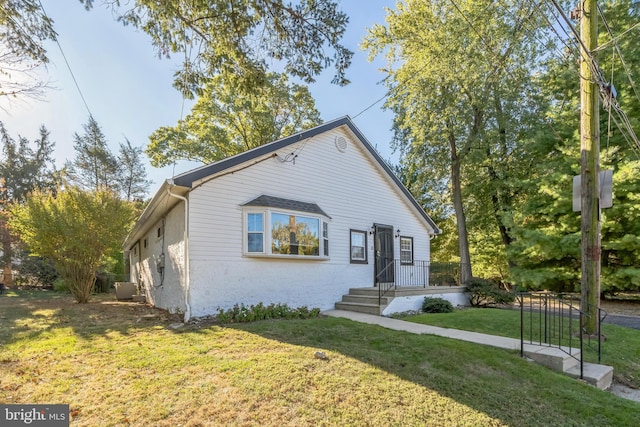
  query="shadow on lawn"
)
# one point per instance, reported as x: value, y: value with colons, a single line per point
x: 493, y: 381
x: 31, y: 313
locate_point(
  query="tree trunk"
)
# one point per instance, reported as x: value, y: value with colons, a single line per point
x: 7, y: 278
x: 456, y: 193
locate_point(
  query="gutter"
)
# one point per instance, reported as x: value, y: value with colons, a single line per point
x: 187, y: 296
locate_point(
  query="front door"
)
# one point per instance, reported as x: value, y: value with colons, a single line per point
x: 384, y: 254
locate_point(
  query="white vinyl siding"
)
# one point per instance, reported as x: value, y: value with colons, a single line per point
x: 222, y: 273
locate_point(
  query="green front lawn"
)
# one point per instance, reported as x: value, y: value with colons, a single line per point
x: 123, y: 364
x: 621, y: 349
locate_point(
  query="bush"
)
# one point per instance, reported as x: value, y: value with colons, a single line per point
x: 486, y: 293
x: 436, y: 305
x: 61, y: 286
x: 241, y: 313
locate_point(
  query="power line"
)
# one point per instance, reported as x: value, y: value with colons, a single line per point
x: 68, y: 66
x: 617, y: 48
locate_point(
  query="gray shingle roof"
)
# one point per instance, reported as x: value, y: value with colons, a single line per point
x: 293, y: 205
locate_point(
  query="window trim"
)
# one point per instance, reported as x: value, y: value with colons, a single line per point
x: 267, y: 233
x: 403, y: 262
x: 366, y: 255
x: 246, y: 233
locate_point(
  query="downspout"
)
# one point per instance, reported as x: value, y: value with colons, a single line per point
x: 187, y: 296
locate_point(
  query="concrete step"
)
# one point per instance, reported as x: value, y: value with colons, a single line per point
x: 600, y: 376
x: 365, y: 299
x: 560, y: 360
x: 364, y: 291
x: 359, y: 307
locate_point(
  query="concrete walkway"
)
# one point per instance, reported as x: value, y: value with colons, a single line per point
x: 562, y: 360
x: 416, y: 328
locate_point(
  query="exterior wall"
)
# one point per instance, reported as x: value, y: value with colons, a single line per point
x: 457, y: 297
x: 348, y: 186
x: 165, y: 292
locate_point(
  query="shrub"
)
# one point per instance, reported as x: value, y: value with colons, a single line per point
x: 436, y: 305
x: 486, y: 293
x: 61, y: 286
x: 241, y: 313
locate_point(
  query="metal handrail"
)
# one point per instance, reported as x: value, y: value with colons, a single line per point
x: 551, y: 323
x: 416, y: 273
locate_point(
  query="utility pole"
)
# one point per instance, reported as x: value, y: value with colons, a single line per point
x: 590, y: 167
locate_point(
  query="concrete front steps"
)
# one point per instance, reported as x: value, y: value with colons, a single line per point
x: 363, y: 300
x: 560, y: 360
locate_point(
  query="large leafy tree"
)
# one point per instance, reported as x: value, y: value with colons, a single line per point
x: 224, y: 121
x: 547, y: 252
x: 456, y: 74
x: 74, y: 228
x: 24, y: 28
x: 24, y: 166
x: 242, y: 37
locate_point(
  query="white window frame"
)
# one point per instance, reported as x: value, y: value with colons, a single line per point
x: 351, y: 258
x: 404, y: 261
x: 247, y: 232
x: 267, y: 234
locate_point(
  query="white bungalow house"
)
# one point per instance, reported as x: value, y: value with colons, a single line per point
x: 299, y: 221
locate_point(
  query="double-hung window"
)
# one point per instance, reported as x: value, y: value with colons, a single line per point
x: 406, y: 250
x: 255, y: 232
x: 358, y: 247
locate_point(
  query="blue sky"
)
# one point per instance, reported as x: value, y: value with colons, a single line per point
x: 129, y: 92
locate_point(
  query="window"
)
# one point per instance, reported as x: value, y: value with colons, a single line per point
x: 358, y: 247
x: 294, y: 235
x: 255, y: 232
x: 146, y: 243
x: 406, y: 250
x: 286, y: 233
x: 325, y: 238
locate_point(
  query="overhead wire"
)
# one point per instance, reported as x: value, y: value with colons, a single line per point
x: 73, y: 77
x: 617, y: 49
x: 606, y: 92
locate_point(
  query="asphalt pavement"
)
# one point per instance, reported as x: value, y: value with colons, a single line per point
x: 622, y: 320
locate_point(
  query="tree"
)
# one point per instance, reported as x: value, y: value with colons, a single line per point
x: 242, y: 37
x: 75, y: 228
x: 132, y: 176
x: 224, y: 121
x: 24, y: 28
x: 547, y: 251
x: 96, y: 168
x: 457, y: 95
x: 22, y: 169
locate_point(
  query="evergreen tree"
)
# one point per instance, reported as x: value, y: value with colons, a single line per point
x: 94, y: 166
x: 132, y: 178
x: 22, y: 170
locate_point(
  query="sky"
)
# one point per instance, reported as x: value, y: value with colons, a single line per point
x: 129, y: 91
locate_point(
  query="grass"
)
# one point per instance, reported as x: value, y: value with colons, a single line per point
x: 621, y: 348
x: 120, y: 364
